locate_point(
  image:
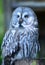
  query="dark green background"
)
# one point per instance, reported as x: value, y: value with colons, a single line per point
x: 1, y: 26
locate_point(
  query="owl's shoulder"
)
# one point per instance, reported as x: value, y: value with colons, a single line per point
x: 8, y: 37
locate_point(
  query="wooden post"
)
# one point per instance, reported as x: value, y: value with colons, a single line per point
x: 26, y: 62
x: 7, y: 12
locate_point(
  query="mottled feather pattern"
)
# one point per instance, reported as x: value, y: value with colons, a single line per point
x: 21, y: 40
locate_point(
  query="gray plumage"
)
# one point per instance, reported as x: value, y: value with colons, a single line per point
x: 21, y: 40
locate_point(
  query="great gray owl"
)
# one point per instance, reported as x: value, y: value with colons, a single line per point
x: 21, y: 39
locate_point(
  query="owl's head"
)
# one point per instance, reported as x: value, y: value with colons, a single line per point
x: 23, y: 17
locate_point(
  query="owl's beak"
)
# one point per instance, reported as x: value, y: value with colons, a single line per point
x: 20, y: 22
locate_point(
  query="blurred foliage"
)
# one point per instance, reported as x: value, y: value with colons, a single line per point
x: 1, y: 26
x: 1, y: 21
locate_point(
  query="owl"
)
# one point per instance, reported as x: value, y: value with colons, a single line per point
x: 21, y: 39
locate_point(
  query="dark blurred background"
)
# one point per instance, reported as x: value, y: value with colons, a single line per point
x: 6, y: 9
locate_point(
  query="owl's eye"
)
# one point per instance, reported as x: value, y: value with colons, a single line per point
x: 26, y: 16
x: 18, y: 16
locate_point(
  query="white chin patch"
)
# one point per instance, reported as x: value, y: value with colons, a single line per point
x: 17, y: 25
x: 24, y: 24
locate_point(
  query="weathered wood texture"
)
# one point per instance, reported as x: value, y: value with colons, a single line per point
x: 27, y: 62
x: 7, y: 12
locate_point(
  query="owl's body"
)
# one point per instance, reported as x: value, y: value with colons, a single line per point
x: 21, y: 40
